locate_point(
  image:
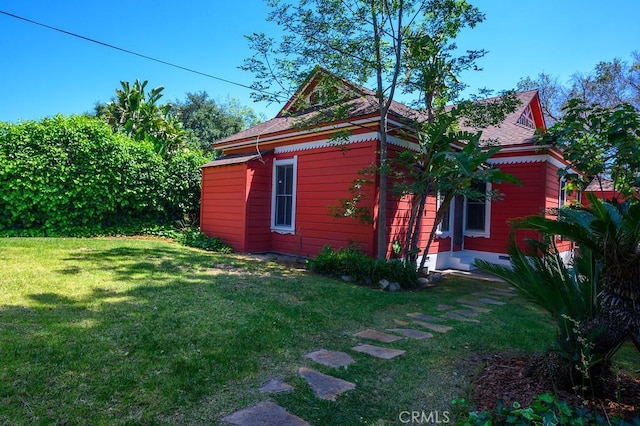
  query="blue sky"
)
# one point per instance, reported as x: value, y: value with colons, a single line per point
x: 44, y: 72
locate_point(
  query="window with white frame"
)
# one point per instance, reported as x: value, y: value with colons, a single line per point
x: 283, y: 203
x: 478, y: 212
x: 444, y: 228
x: 562, y: 193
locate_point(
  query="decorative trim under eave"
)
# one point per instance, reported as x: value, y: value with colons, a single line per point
x: 327, y: 143
x: 520, y: 159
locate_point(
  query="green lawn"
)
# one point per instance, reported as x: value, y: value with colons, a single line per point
x: 126, y: 331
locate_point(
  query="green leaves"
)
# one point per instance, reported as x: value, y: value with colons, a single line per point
x: 599, y: 142
x: 137, y: 114
x: 74, y: 176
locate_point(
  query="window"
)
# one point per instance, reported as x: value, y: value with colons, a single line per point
x: 562, y: 193
x: 444, y: 228
x: 283, y: 204
x: 478, y: 212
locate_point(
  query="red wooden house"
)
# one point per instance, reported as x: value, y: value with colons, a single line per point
x: 276, y: 185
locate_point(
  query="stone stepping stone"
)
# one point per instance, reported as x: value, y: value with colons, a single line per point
x: 501, y: 293
x: 490, y: 301
x: 275, y: 386
x: 411, y: 333
x: 481, y: 294
x: 378, y: 336
x: 378, y: 352
x: 472, y: 302
x: 434, y: 327
x: 453, y: 315
x: 400, y: 322
x: 262, y: 414
x: 423, y: 317
x: 443, y: 307
x: 466, y: 313
x: 477, y: 308
x: 324, y: 386
x: 331, y: 358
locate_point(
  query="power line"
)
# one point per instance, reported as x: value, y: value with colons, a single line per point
x: 131, y: 52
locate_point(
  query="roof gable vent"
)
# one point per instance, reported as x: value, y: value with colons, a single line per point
x: 526, y: 118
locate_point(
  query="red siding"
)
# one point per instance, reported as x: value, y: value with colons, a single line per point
x: 324, y: 177
x: 222, y: 212
x: 258, y: 201
x: 516, y: 201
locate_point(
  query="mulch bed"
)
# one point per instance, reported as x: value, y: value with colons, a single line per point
x: 504, y: 378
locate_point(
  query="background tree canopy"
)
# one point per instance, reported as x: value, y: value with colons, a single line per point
x: 206, y: 120
x: 610, y: 83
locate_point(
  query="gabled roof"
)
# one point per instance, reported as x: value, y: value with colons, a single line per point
x: 510, y: 131
x: 361, y: 102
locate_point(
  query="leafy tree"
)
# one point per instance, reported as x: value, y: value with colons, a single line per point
x: 609, y: 84
x: 206, y: 120
x: 553, y: 95
x: 400, y: 45
x: 600, y: 142
x: 138, y: 114
x: 437, y: 170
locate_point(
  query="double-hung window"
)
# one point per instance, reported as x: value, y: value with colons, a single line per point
x: 562, y: 193
x: 478, y: 212
x: 283, y: 203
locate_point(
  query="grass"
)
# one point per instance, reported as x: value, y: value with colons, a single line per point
x: 127, y: 331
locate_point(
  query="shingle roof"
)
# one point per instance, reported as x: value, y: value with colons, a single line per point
x: 364, y: 103
x: 235, y: 159
x: 510, y: 132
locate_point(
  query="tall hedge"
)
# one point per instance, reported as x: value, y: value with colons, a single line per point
x: 73, y: 176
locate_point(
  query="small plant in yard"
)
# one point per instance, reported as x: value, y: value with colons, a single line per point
x: 353, y: 263
x: 544, y: 410
x: 192, y: 237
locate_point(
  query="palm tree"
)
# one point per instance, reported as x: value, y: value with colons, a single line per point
x: 595, y: 300
x: 139, y: 115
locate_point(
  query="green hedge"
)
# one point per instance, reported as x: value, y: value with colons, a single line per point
x: 74, y: 176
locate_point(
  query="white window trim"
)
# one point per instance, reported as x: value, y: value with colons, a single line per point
x: 561, y: 202
x: 487, y: 219
x: 449, y: 233
x: 274, y: 184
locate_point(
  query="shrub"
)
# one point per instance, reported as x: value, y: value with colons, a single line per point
x: 544, y: 410
x: 195, y: 238
x: 361, y: 269
x: 72, y: 176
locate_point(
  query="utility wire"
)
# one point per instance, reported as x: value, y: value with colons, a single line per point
x: 131, y: 52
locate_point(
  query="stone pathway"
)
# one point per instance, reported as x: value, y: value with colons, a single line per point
x: 331, y: 358
x: 329, y: 388
x: 325, y: 386
x: 378, y: 335
x: 264, y: 413
x: 378, y: 351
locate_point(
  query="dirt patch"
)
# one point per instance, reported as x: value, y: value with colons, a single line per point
x: 504, y: 378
